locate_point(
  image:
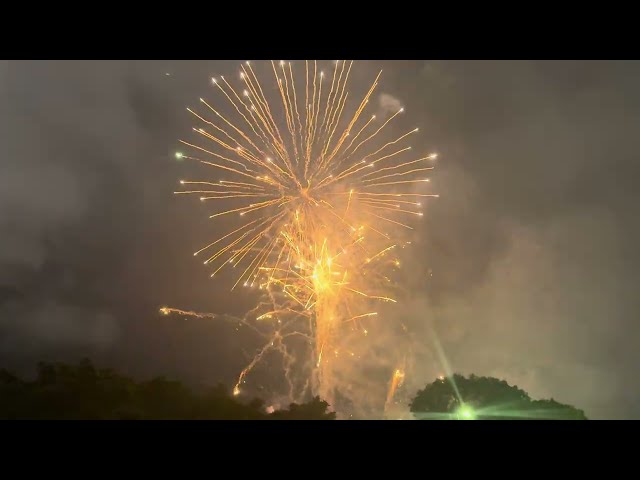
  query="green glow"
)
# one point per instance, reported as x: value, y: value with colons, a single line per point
x: 179, y: 155
x: 466, y: 413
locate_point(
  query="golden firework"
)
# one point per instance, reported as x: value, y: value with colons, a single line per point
x: 320, y: 200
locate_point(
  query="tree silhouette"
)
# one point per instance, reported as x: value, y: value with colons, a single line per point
x: 483, y: 398
x: 316, y: 409
x: 83, y: 392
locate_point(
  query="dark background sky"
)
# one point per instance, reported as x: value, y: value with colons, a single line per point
x: 532, y: 245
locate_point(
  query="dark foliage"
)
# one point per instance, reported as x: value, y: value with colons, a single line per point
x: 316, y: 409
x: 83, y: 392
x: 485, y: 398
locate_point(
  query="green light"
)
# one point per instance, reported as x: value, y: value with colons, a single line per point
x: 465, y: 413
x: 179, y: 155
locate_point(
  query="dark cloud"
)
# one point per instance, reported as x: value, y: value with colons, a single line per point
x: 525, y: 267
x: 531, y: 240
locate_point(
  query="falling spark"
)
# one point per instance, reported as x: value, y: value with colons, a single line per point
x: 396, y: 381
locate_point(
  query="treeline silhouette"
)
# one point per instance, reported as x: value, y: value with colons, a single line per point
x: 62, y: 391
x: 485, y: 398
x: 84, y: 392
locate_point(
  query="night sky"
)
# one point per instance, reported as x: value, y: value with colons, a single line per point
x: 525, y: 268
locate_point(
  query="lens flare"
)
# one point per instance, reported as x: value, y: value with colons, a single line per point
x: 317, y: 201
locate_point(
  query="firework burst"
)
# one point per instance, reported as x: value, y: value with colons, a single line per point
x: 321, y: 197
